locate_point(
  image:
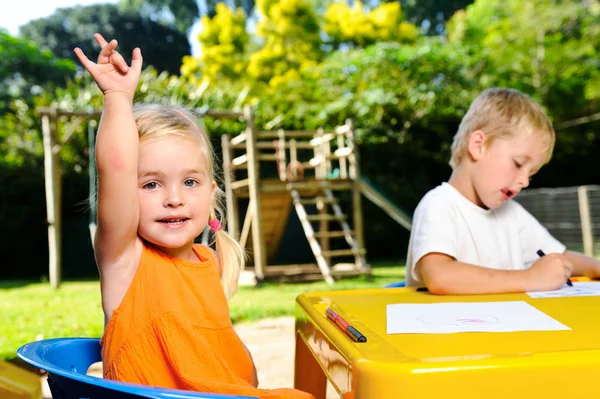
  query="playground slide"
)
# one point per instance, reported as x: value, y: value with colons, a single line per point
x: 370, y: 191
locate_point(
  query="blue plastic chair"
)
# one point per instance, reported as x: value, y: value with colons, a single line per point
x: 67, y: 360
x: 397, y: 284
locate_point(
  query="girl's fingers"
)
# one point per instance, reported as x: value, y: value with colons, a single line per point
x: 117, y: 60
x: 82, y: 57
x: 100, y: 40
x: 106, y: 52
x: 136, y: 59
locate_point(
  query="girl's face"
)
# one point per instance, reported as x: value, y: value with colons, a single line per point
x: 176, y: 193
x: 503, y: 168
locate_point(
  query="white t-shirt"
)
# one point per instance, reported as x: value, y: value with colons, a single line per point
x: 505, y: 238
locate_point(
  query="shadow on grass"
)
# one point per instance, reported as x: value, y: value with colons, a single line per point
x: 13, y: 284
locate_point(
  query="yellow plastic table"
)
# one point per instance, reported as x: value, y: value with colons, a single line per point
x: 531, y: 364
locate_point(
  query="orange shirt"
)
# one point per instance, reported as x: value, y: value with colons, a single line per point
x: 173, y: 330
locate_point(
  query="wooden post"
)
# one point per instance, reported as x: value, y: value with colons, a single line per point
x: 343, y: 170
x: 326, y: 153
x: 356, y: 196
x: 293, y: 160
x: 52, y: 177
x: 258, y: 243
x: 230, y: 198
x: 586, y: 221
x: 323, y: 227
x: 281, y: 161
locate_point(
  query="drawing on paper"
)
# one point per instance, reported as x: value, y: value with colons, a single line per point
x: 457, y: 320
x: 457, y: 317
x: 578, y: 289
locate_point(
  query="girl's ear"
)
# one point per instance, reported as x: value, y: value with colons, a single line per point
x: 213, y: 191
x: 476, y: 145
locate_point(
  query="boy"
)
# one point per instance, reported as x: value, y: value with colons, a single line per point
x: 468, y: 235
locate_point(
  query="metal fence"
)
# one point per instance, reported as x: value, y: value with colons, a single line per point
x: 571, y: 215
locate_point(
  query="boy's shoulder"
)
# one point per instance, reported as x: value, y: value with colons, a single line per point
x: 440, y: 198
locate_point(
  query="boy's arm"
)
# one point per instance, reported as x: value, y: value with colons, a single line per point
x: 584, y: 265
x: 443, y: 275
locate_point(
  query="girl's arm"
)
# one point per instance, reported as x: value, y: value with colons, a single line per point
x: 117, y: 149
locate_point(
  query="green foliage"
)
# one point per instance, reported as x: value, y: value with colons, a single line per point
x: 163, y: 47
x: 24, y: 69
x: 22, y: 57
x: 537, y: 47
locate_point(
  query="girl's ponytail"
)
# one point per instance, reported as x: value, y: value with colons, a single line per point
x: 231, y: 254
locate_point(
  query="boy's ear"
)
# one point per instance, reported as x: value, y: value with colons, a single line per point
x: 476, y: 145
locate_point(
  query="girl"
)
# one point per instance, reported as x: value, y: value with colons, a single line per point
x: 164, y: 297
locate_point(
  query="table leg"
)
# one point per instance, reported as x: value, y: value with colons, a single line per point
x: 308, y: 374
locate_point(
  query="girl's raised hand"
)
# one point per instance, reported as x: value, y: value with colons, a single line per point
x: 111, y: 73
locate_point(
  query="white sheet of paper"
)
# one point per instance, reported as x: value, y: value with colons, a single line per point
x: 578, y: 289
x: 455, y: 317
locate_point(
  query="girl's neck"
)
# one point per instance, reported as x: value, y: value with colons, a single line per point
x: 185, y: 253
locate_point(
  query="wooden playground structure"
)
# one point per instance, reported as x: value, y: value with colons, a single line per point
x: 309, y: 169
x: 275, y: 172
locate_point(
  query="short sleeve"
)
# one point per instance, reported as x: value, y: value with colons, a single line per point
x: 433, y: 230
x: 534, y: 236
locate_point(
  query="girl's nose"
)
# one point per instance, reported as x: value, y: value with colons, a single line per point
x: 173, y: 197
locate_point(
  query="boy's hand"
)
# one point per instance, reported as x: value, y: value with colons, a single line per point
x: 550, y: 272
x: 111, y: 73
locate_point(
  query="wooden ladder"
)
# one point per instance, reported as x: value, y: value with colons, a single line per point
x: 329, y: 210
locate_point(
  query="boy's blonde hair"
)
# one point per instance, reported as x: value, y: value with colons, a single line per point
x: 502, y: 113
x: 155, y: 121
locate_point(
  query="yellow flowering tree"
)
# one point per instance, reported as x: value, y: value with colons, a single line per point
x: 356, y: 26
x: 224, y: 39
x: 290, y: 35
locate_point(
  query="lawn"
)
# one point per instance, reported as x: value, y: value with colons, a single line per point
x: 30, y: 311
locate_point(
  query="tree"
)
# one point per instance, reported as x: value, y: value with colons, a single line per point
x: 178, y: 14
x: 548, y: 48
x: 432, y: 15
x: 163, y: 47
x: 357, y: 26
x: 224, y: 39
x: 24, y: 69
x: 291, y: 38
x: 246, y: 5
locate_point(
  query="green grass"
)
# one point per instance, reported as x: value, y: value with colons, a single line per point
x: 30, y: 311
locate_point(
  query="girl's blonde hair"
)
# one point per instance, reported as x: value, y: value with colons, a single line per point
x: 503, y: 113
x: 155, y: 121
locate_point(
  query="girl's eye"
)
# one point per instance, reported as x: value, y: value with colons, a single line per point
x: 518, y: 165
x: 151, y: 185
x: 189, y: 183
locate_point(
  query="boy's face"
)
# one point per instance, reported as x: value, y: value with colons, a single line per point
x: 503, y: 168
